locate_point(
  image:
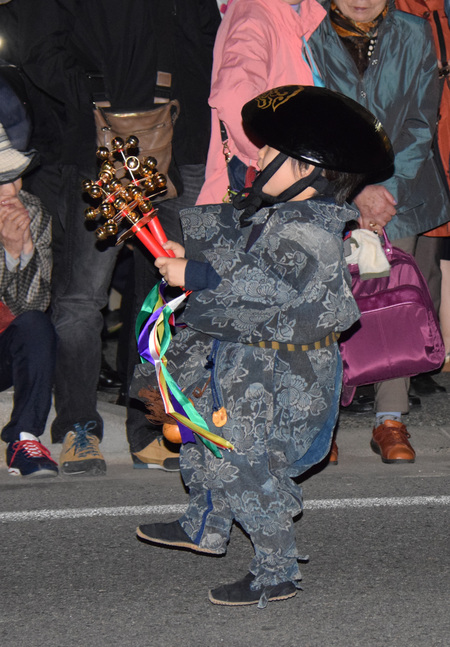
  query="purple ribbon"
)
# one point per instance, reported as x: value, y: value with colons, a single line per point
x: 187, y: 435
x: 142, y: 344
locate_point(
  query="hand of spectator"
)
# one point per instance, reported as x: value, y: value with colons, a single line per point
x: 376, y: 206
x: 15, y: 234
x: 172, y: 270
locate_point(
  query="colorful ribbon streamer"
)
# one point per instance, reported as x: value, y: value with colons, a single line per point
x: 154, y: 336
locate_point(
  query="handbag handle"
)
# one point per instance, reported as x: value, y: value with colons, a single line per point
x: 387, y: 247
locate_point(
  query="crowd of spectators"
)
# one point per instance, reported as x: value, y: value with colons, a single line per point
x: 58, y: 56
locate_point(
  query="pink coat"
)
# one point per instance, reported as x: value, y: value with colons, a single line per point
x: 258, y: 47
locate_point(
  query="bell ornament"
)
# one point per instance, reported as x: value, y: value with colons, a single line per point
x: 117, y: 144
x: 102, y: 153
x: 90, y: 213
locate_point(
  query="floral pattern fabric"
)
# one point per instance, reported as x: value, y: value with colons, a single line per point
x: 290, y: 286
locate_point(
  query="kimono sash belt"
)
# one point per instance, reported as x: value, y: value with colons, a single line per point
x: 315, y: 345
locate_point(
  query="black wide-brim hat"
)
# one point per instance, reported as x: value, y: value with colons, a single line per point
x: 320, y: 127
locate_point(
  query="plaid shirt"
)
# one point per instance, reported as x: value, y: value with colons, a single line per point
x: 28, y: 287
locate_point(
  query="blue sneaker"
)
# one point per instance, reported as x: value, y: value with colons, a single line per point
x: 28, y: 457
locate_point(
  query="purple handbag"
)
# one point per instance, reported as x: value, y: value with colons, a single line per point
x: 398, y: 334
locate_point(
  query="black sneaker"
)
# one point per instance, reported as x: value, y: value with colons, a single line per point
x: 28, y: 457
x: 240, y: 594
x: 424, y: 384
x: 171, y: 535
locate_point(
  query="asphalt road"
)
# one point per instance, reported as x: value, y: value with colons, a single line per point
x: 74, y: 574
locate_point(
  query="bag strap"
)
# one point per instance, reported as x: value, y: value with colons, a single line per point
x: 225, y: 144
x: 227, y: 155
x: 444, y: 71
x: 102, y: 117
x: 387, y: 247
x: 309, y: 60
x: 165, y: 48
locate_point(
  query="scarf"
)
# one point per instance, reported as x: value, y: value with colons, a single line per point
x: 358, y: 37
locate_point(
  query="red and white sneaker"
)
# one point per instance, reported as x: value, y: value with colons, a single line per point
x: 28, y: 457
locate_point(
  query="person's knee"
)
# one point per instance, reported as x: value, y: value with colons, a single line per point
x: 77, y: 317
x: 37, y: 327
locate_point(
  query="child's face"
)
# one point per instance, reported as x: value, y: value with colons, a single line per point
x: 10, y: 190
x: 286, y: 175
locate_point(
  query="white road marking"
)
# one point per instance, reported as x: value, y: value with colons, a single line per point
x: 150, y: 510
x: 390, y: 502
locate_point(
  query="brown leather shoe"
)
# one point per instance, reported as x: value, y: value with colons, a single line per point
x: 334, y: 453
x: 390, y: 440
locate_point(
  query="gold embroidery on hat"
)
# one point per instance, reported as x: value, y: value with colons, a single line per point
x: 275, y: 98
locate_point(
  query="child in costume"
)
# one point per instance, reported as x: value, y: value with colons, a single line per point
x: 270, y: 296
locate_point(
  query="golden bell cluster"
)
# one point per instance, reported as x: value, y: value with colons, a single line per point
x: 125, y: 186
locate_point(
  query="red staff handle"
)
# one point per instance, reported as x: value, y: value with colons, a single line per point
x: 149, y: 241
x: 158, y: 232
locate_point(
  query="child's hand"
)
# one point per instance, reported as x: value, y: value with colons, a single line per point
x: 15, y: 235
x: 177, y: 249
x: 172, y: 269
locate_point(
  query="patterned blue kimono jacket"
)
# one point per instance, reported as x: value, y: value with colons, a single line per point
x: 283, y: 279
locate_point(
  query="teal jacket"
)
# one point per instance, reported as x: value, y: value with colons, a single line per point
x: 400, y: 87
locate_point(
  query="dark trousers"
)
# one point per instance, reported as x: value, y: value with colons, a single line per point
x: 82, y: 274
x: 139, y: 431
x: 27, y: 362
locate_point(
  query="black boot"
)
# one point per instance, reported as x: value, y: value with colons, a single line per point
x: 109, y: 379
x: 240, y: 594
x: 425, y: 385
x: 171, y: 535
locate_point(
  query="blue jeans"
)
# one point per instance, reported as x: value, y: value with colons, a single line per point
x: 81, y: 278
x: 27, y: 361
x: 139, y: 431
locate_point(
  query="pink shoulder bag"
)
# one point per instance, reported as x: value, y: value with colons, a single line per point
x: 398, y: 334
